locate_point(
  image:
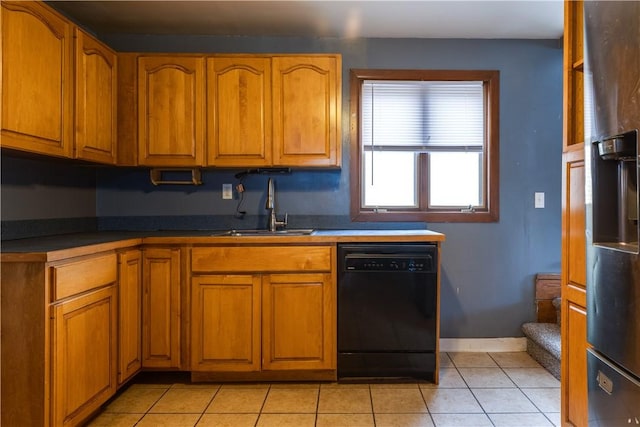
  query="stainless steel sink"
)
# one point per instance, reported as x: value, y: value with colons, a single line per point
x: 264, y: 232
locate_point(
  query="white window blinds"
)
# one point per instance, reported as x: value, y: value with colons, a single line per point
x: 422, y: 116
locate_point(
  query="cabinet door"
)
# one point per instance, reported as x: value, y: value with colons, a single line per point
x: 575, y: 376
x: 171, y: 111
x: 161, y: 308
x: 239, y: 111
x: 573, y: 224
x: 96, y: 103
x: 130, y: 314
x: 306, y: 111
x: 37, y: 89
x: 84, y: 355
x: 573, y: 275
x: 298, y: 324
x: 225, y: 323
x: 573, y: 84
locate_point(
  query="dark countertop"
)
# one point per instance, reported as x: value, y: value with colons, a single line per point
x: 51, y: 248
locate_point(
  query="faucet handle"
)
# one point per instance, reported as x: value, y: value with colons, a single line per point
x: 282, y: 223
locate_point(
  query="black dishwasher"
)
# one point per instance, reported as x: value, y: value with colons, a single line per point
x: 387, y: 310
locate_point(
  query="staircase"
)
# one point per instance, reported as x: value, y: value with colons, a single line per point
x: 543, y: 336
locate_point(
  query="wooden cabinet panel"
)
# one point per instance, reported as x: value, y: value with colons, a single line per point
x: 161, y: 308
x: 59, y: 360
x: 171, y: 122
x: 84, y: 355
x: 306, y: 111
x: 71, y: 278
x: 573, y: 87
x: 225, y: 323
x: 129, y: 314
x: 261, y: 258
x: 239, y: 111
x: 96, y: 100
x: 260, y: 110
x: 37, y: 89
x: 261, y: 322
x: 575, y: 219
x: 575, y: 376
x: 25, y: 368
x: 298, y: 321
x: 573, y: 277
x: 127, y: 109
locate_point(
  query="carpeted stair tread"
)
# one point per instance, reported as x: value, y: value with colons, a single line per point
x: 546, y: 335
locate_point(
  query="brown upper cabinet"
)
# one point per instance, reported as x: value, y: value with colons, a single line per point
x: 274, y: 111
x: 306, y: 110
x: 96, y: 100
x: 171, y: 123
x: 260, y: 110
x: 37, y: 88
x: 239, y: 111
x: 164, y: 110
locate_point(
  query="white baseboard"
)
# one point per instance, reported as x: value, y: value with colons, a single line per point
x: 484, y: 345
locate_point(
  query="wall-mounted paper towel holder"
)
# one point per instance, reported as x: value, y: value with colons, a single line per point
x: 174, y: 176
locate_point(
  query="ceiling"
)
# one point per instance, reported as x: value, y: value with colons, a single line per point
x: 522, y: 19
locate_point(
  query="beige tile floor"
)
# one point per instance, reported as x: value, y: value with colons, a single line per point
x: 475, y: 389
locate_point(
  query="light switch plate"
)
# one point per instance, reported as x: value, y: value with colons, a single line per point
x: 227, y: 191
x: 539, y: 200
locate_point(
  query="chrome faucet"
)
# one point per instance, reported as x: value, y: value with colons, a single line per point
x: 272, y: 220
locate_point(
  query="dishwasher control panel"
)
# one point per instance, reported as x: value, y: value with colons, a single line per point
x: 375, y: 262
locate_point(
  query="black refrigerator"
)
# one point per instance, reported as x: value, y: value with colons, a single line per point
x: 612, y: 121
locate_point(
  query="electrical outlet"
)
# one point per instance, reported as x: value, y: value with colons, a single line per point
x: 538, y: 200
x: 227, y: 191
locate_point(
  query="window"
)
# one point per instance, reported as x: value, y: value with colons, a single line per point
x: 424, y: 145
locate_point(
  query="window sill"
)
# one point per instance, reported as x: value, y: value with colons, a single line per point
x: 391, y: 216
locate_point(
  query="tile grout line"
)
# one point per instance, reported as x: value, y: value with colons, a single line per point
x: 425, y: 405
x: 521, y: 391
x: 373, y: 414
x: 208, y: 404
x: 264, y: 401
x: 470, y: 390
x: 502, y: 369
x: 154, y: 404
x: 315, y: 419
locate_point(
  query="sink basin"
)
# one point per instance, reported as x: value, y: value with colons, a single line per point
x: 263, y: 232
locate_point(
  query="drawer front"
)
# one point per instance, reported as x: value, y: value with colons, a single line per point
x: 80, y: 276
x: 261, y: 258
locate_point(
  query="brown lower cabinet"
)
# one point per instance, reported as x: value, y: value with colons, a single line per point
x: 76, y: 328
x: 225, y: 322
x: 298, y: 312
x: 574, y: 352
x: 263, y: 311
x: 59, y: 338
x: 161, y: 307
x: 83, y: 354
x: 129, y: 314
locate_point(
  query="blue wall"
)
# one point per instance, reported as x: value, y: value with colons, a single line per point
x: 41, y: 196
x: 487, y: 269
